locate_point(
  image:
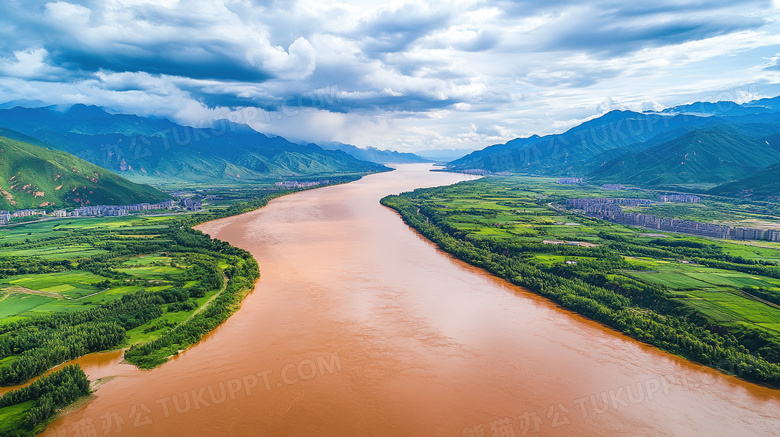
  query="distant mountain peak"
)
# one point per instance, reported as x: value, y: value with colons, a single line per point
x: 373, y: 154
x: 736, y: 138
x: 162, y: 152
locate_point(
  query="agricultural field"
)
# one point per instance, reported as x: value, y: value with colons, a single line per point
x: 79, y: 285
x: 32, y: 294
x: 78, y: 239
x: 521, y: 229
x: 12, y: 418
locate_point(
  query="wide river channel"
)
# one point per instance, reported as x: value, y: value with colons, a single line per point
x: 360, y: 327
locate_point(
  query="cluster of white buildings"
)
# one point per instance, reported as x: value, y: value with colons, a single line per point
x: 118, y: 210
x: 596, y: 204
x: 610, y: 209
x: 192, y: 205
x: 100, y: 210
x: 295, y: 184
x: 682, y: 198
x: 5, y: 216
x: 570, y: 180
x: 25, y: 213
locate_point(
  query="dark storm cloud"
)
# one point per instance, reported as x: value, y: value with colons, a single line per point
x: 188, y: 45
x: 205, y: 61
x: 215, y: 100
x: 611, y: 35
x: 20, y: 26
x: 179, y: 44
x: 614, y: 28
x: 632, y: 9
x: 394, y: 31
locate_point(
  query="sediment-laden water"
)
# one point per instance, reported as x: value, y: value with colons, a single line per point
x: 360, y: 327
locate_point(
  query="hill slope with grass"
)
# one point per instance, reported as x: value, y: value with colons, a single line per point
x: 36, y: 177
x: 568, y: 153
x: 763, y: 184
x: 158, y: 151
x: 709, y: 156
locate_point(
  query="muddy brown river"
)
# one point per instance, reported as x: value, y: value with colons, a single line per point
x: 361, y: 327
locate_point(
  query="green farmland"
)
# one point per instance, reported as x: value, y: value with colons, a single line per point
x: 72, y: 286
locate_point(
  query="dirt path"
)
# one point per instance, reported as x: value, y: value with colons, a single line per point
x: 23, y: 290
x: 211, y: 299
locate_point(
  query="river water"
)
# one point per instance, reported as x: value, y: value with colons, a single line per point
x: 359, y: 326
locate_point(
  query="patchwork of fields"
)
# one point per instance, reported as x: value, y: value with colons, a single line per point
x: 32, y: 294
x: 79, y: 285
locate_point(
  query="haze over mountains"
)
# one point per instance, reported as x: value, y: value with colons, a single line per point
x: 697, y: 145
x: 161, y: 152
x: 372, y: 154
x: 443, y: 155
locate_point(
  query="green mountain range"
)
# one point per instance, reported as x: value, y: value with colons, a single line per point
x: 728, y: 108
x: 698, y: 145
x: 37, y: 177
x: 161, y: 152
x: 571, y: 153
x: 762, y: 184
x: 710, y: 156
x: 695, y: 145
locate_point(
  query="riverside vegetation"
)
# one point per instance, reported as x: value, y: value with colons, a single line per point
x: 75, y: 286
x: 716, y: 302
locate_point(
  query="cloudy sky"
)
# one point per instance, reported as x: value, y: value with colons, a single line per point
x: 407, y: 75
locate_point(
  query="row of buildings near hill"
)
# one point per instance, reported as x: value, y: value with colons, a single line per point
x: 681, y: 198
x: 594, y: 204
x: 104, y: 210
x: 290, y: 185
x: 610, y: 209
x: 5, y: 216
x: 118, y: 210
